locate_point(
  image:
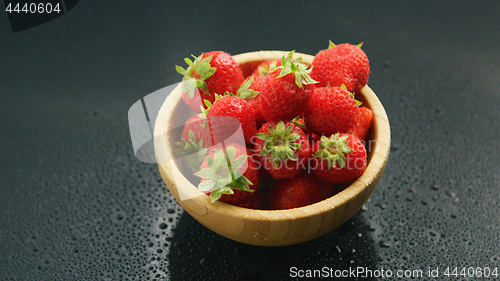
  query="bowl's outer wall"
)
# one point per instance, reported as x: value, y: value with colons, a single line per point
x: 283, y: 227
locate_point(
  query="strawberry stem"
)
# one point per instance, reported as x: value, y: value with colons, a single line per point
x: 222, y: 174
x: 244, y: 90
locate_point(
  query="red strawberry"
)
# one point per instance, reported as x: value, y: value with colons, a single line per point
x: 302, y: 190
x: 341, y: 64
x: 330, y: 189
x: 338, y: 159
x: 256, y: 201
x: 285, y: 91
x: 362, y: 127
x: 200, y: 129
x: 264, y: 177
x: 331, y: 110
x: 211, y: 73
x: 282, y: 149
x: 227, y: 114
x: 249, y: 91
x: 234, y: 183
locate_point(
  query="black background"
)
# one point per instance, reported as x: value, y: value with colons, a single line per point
x: 76, y: 204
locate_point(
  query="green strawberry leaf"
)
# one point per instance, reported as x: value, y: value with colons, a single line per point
x: 237, y: 163
x: 333, y: 150
x: 216, y: 194
x: 204, y: 111
x: 244, y: 90
x: 222, y: 174
x: 295, y: 145
x: 358, y: 103
x: 210, y: 160
x: 207, y: 185
x: 205, y: 173
x: 291, y: 154
x: 264, y: 69
x: 191, y: 151
x: 230, y: 152
x: 280, y: 128
x: 296, y: 122
x: 180, y: 70
x: 265, y: 137
x: 241, y: 183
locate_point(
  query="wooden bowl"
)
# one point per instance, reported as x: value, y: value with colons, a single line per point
x: 265, y: 227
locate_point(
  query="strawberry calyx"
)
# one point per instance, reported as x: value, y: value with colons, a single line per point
x: 244, y: 90
x: 299, y: 69
x: 280, y: 143
x: 195, y: 75
x: 192, y: 151
x: 333, y: 150
x: 264, y: 69
x: 222, y: 175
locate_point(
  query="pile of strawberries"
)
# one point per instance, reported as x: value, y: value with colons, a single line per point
x: 287, y: 136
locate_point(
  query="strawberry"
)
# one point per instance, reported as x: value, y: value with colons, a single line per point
x: 311, y: 136
x: 256, y: 201
x: 211, y: 73
x: 338, y: 159
x: 265, y: 67
x: 191, y: 152
x: 282, y: 149
x: 362, y: 127
x: 330, y: 189
x: 227, y: 114
x: 249, y: 91
x: 331, y: 110
x: 264, y: 176
x: 228, y: 175
x: 200, y: 129
x: 302, y: 190
x: 286, y: 89
x: 341, y: 64
x: 195, y: 138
